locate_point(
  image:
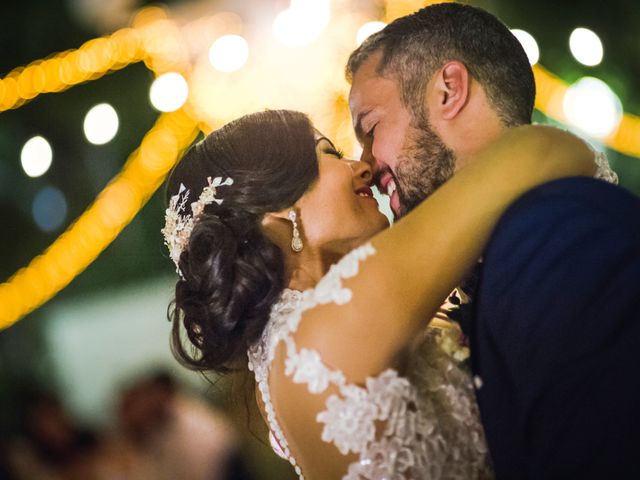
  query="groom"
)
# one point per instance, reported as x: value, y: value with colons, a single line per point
x: 556, y: 324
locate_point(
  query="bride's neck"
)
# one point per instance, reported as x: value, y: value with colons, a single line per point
x: 305, y: 269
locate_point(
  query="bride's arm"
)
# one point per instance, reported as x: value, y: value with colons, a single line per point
x: 423, y: 256
x: 416, y: 265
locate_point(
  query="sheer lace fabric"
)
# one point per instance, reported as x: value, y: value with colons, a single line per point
x: 431, y: 427
x: 604, y: 171
x: 430, y: 421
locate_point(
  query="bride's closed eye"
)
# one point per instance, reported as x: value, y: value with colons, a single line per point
x: 336, y: 152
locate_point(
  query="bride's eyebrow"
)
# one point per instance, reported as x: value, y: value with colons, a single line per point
x: 328, y: 141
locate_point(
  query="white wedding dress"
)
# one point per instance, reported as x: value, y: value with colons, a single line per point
x: 430, y: 422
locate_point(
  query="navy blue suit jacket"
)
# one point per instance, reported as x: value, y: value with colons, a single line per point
x: 555, y: 337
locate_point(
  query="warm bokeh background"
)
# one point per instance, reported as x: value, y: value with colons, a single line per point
x: 105, y: 334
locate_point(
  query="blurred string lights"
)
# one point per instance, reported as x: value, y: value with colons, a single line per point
x: 101, y: 223
x: 198, y: 90
x: 122, y: 198
x: 589, y: 105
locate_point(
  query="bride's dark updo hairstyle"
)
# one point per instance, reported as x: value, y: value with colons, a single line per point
x: 233, y: 273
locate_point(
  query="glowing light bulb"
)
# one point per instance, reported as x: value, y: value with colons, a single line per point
x: 368, y: 29
x: 229, y: 53
x: 36, y: 156
x: 169, y: 92
x: 302, y: 22
x: 586, y: 46
x: 101, y: 124
x: 529, y: 44
x: 590, y: 105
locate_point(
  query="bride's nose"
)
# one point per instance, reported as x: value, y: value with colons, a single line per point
x: 361, y: 170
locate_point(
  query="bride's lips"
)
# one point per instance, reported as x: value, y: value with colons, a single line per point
x: 365, y: 192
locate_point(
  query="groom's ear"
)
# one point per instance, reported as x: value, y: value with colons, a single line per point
x: 451, y: 89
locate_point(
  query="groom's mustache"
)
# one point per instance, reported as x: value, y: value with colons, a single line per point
x: 377, y: 178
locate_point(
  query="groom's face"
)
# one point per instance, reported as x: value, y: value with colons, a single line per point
x: 408, y: 157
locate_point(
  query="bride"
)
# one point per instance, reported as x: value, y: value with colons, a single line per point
x: 286, y: 268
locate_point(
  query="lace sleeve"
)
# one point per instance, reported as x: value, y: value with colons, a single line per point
x: 302, y: 365
x: 604, y: 171
x: 393, y: 428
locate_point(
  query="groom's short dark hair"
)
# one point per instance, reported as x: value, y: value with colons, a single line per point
x: 415, y: 46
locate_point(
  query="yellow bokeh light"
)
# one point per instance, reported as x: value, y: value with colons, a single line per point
x: 10, y: 97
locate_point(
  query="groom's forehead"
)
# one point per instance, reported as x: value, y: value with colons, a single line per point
x: 366, y: 75
x: 368, y: 84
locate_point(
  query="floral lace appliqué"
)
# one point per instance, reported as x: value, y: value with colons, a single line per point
x: 604, y: 171
x: 349, y: 420
x: 307, y: 367
x: 418, y: 427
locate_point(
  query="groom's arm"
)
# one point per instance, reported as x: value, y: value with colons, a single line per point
x: 556, y: 338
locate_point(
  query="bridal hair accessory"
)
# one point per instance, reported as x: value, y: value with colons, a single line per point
x: 296, y: 241
x: 179, y: 224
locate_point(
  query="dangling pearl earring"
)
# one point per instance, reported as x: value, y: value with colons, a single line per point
x: 296, y: 241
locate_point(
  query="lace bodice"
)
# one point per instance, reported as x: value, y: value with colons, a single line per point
x: 420, y: 425
x: 430, y: 423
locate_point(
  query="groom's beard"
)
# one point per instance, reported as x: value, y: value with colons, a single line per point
x: 426, y: 163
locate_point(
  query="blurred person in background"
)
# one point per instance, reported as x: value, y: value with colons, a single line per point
x: 168, y: 434
x: 51, y: 447
x: 6, y: 470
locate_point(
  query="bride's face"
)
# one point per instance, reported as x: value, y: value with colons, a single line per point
x: 339, y: 212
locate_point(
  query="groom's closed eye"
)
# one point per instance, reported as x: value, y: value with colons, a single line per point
x: 359, y: 129
x: 371, y: 131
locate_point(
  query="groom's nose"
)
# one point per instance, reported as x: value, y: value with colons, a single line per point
x: 376, y: 169
x: 368, y: 158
